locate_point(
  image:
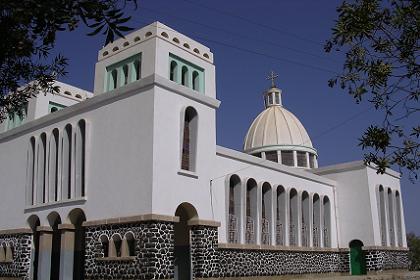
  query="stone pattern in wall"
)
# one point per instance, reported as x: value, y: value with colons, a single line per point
x: 240, y: 263
x: 20, y: 267
x: 204, y: 251
x: 153, y: 252
x: 379, y: 260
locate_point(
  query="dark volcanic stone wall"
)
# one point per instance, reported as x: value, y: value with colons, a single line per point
x: 239, y: 262
x: 20, y: 267
x: 379, y: 260
x: 204, y: 251
x: 153, y: 252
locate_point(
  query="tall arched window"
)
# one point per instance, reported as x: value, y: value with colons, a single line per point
x: 196, y: 81
x: 234, y: 208
x: 128, y: 245
x: 104, y: 245
x: 293, y: 218
x: 266, y: 216
x: 173, y: 74
x: 251, y: 211
x: 305, y: 219
x: 281, y: 216
x: 189, y: 139
x: 391, y: 218
x: 316, y: 221
x: 113, y: 79
x: 137, y: 69
x: 80, y: 146
x: 398, y: 217
x: 41, y: 164
x: 124, y: 77
x: 382, y: 214
x: 3, y: 252
x: 53, y: 167
x: 31, y: 172
x: 184, y: 78
x: 66, y: 162
x: 115, y: 246
x: 327, y: 222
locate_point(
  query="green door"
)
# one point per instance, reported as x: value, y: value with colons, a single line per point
x: 357, y: 258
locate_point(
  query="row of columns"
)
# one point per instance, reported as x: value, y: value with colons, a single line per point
x: 67, y: 245
x: 308, y: 158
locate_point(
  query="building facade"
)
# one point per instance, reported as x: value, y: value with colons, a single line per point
x: 127, y: 182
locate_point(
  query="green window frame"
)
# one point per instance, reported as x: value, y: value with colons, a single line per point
x: 185, y: 73
x: 14, y: 120
x: 123, y: 73
x: 54, y: 107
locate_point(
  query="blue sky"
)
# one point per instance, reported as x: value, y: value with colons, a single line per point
x: 248, y: 40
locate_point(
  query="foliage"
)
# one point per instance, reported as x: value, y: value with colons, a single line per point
x: 381, y: 44
x: 28, y: 30
x: 413, y: 243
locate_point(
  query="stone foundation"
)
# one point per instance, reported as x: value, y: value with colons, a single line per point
x: 245, y: 262
x: 380, y: 260
x: 204, y: 251
x: 153, y: 257
x: 21, y: 264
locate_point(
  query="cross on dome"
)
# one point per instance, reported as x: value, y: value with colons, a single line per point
x: 272, y: 76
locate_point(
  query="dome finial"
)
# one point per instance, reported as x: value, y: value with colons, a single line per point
x: 272, y: 76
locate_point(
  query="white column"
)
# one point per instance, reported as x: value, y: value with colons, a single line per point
x: 287, y: 218
x: 273, y: 215
x: 308, y: 164
x: 299, y: 219
x: 45, y: 251
x: 67, y: 251
x: 295, y: 159
x: 311, y: 220
x: 279, y: 156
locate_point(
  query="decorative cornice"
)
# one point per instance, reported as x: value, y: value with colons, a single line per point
x: 16, y: 231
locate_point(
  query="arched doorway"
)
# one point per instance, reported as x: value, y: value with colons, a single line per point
x: 357, y: 258
x: 33, y: 222
x: 77, y: 217
x: 54, y: 221
x: 182, y: 252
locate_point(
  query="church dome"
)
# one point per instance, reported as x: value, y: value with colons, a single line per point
x: 276, y: 126
x: 277, y: 135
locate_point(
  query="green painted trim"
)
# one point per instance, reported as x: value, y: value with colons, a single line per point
x: 55, y: 105
x: 120, y: 77
x: 16, y: 120
x: 191, y: 68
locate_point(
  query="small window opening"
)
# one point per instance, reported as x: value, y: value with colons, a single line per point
x: 196, y: 81
x: 173, y: 71
x: 184, y: 81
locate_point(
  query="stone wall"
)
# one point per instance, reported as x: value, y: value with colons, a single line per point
x: 153, y: 252
x: 241, y: 262
x: 204, y: 251
x: 20, y: 266
x: 379, y: 260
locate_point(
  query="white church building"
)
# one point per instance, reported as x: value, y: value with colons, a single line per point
x: 128, y: 182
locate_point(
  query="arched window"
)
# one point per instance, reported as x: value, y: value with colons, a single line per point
x: 128, y: 245
x: 398, y: 217
x: 104, y: 245
x: 137, y: 69
x: 53, y: 166
x: 115, y: 246
x: 184, y: 78
x: 189, y: 139
x: 196, y: 81
x: 124, y: 75
x: 382, y: 214
x: 234, y: 208
x: 3, y: 252
x: 80, y: 146
x: 293, y: 218
x: 327, y: 221
x: 266, y: 220
x: 173, y: 75
x: 41, y: 164
x: 281, y: 216
x: 391, y: 218
x: 251, y: 211
x: 31, y: 172
x: 305, y: 219
x: 66, y: 162
x: 316, y: 221
x: 9, y: 252
x: 113, y: 80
